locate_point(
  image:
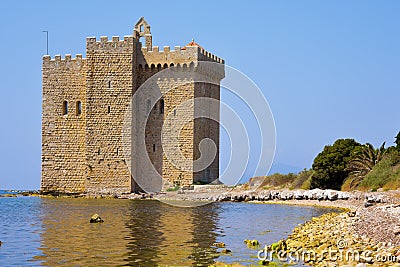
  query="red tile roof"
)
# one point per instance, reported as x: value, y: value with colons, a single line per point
x: 192, y: 43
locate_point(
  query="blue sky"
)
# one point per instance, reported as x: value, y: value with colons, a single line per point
x: 329, y: 69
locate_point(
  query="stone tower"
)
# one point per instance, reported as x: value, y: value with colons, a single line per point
x: 85, y: 101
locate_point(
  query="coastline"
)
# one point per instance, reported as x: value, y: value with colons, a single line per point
x: 367, y: 228
x: 352, y: 237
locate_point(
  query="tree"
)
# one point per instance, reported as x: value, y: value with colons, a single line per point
x: 363, y: 161
x: 397, y: 140
x: 330, y: 165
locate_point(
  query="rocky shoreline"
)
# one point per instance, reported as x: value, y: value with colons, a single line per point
x: 366, y: 233
x: 315, y: 197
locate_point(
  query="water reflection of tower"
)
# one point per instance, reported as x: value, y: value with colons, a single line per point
x: 205, y: 233
x: 143, y: 223
x: 169, y: 235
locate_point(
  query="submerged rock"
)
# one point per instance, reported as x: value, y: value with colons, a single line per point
x: 96, y: 219
x: 8, y: 195
x: 219, y: 245
x: 263, y: 262
x: 252, y: 243
x: 226, y: 251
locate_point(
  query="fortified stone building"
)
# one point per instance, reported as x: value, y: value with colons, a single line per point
x: 85, y: 101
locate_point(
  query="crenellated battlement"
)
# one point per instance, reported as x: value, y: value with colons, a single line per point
x: 179, y: 55
x: 207, y: 56
x: 67, y: 61
x: 114, y: 43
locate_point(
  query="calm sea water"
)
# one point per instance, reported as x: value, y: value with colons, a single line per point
x: 56, y: 232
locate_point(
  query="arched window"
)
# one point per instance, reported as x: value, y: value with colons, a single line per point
x: 65, y: 108
x: 78, y: 108
x: 162, y: 106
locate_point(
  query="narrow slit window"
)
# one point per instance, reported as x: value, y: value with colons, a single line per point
x: 65, y: 108
x: 109, y: 84
x: 174, y: 112
x: 78, y: 108
x: 154, y: 147
x: 98, y: 152
x: 117, y: 151
x: 108, y: 109
x: 162, y: 106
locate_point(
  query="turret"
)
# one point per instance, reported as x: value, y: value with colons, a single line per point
x: 142, y: 29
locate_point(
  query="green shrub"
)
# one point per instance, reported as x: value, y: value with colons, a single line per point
x: 385, y: 174
x: 330, y: 165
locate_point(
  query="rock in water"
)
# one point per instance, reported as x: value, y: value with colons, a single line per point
x: 219, y: 245
x: 251, y: 243
x: 96, y: 219
x: 226, y: 251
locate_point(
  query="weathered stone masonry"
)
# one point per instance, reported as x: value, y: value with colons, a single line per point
x: 85, y: 101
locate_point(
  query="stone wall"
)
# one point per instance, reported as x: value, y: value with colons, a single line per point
x: 109, y: 92
x: 63, y: 128
x: 206, y: 126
